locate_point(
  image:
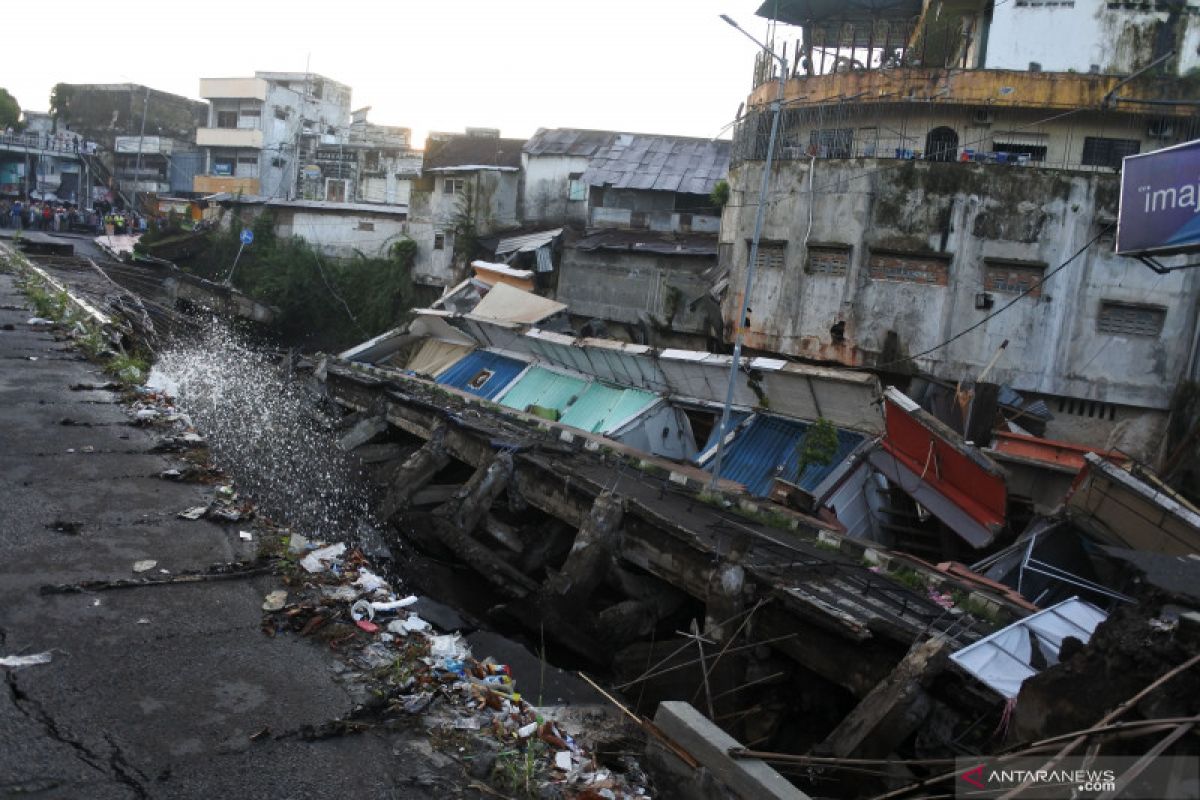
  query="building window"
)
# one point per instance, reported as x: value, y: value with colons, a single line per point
x: 281, y: 112
x: 1128, y: 319
x: 576, y: 188
x: 227, y: 119
x: 1015, y: 277
x: 480, y: 378
x: 1099, y: 151
x: 1035, y: 152
x: 439, y: 241
x: 828, y: 259
x: 832, y: 142
x: 251, y: 111
x: 932, y: 270
x: 366, y: 226
x: 454, y: 185
x: 770, y: 254
x: 335, y: 190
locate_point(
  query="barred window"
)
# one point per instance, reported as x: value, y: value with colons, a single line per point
x: 1002, y: 276
x: 1099, y: 151
x: 770, y: 255
x: 1126, y: 319
x: 828, y: 259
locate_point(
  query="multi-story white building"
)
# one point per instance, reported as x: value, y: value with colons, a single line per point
x: 263, y: 132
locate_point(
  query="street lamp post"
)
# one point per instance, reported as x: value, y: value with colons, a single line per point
x: 776, y: 107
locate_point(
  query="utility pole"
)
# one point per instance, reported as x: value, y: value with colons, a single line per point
x: 137, y: 167
x: 740, y: 322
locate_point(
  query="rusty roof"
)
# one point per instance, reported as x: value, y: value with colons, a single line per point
x: 567, y: 142
x: 458, y: 151
x: 659, y: 163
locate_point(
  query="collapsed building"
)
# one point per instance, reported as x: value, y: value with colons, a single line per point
x: 572, y: 476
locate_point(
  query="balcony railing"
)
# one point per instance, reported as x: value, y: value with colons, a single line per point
x: 909, y: 131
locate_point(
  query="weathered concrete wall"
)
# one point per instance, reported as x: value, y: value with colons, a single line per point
x: 1117, y: 40
x: 102, y: 112
x: 492, y: 200
x: 634, y: 287
x: 959, y: 215
x: 341, y: 234
x: 546, y: 197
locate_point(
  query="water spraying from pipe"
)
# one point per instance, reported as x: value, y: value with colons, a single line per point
x: 265, y: 430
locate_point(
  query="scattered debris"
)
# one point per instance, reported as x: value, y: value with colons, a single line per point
x: 246, y: 536
x: 196, y: 512
x: 144, y: 566
x: 275, y: 600
x: 316, y: 561
x: 16, y: 662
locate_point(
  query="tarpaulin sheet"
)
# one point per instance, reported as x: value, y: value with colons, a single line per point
x: 1006, y: 658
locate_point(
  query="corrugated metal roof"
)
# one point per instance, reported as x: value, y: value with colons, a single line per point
x: 602, y: 408
x: 567, y: 142
x: 527, y: 242
x: 545, y: 388
x: 767, y: 448
x: 661, y: 163
x: 476, y: 150
x: 659, y: 243
x: 482, y: 373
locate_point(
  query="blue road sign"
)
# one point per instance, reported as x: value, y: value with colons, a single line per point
x: 247, y: 236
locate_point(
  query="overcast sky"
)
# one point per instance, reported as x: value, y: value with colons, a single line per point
x: 653, y: 66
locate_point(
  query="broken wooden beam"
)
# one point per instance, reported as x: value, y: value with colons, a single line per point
x: 593, y: 553
x: 470, y: 504
x: 416, y: 471
x: 505, y: 577
x: 434, y: 494
x: 363, y: 432
x: 893, y: 709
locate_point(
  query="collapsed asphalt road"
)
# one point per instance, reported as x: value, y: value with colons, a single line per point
x: 153, y: 691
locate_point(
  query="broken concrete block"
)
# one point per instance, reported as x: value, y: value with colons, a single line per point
x: 363, y: 432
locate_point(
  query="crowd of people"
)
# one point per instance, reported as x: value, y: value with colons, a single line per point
x: 36, y: 215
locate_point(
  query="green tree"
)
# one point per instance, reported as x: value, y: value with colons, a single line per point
x: 10, y: 110
x: 60, y: 102
x: 720, y: 194
x: 818, y: 447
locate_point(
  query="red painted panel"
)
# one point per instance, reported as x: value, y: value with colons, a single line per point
x: 930, y: 449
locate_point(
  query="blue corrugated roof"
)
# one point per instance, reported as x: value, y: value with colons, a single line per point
x: 767, y: 448
x: 482, y: 373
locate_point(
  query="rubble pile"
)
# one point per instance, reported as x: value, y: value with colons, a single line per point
x: 472, y: 705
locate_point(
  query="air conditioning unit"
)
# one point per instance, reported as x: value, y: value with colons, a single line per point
x: 1160, y: 129
x: 982, y: 116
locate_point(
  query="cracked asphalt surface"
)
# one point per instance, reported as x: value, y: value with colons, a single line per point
x: 151, y: 692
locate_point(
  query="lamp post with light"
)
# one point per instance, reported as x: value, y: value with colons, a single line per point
x: 776, y: 108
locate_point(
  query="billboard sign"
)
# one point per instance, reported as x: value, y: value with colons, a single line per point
x: 1160, y: 202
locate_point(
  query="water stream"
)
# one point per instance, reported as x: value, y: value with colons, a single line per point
x: 265, y: 431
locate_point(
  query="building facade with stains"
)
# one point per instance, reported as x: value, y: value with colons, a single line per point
x: 643, y: 229
x: 931, y: 170
x: 263, y: 133
x: 469, y: 188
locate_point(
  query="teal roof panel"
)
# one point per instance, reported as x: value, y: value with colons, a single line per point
x: 542, y: 387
